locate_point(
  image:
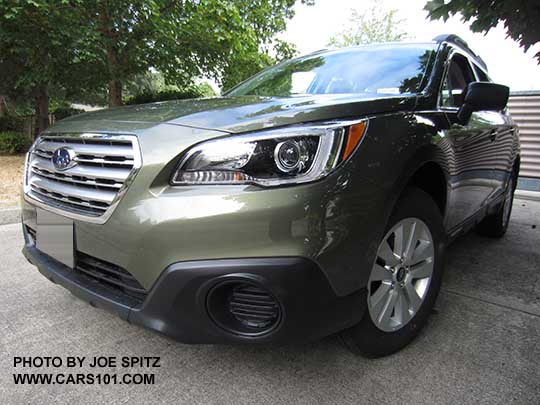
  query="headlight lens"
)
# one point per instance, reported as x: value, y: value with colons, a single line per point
x: 271, y: 158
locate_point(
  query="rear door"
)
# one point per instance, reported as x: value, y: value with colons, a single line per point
x: 473, y: 154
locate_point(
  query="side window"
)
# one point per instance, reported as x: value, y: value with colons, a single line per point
x: 445, y: 93
x: 482, y: 76
x: 458, y: 76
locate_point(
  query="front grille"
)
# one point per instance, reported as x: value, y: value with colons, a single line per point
x: 101, y: 167
x: 253, y: 306
x: 110, y: 274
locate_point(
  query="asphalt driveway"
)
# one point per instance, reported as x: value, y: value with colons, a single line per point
x: 482, y: 344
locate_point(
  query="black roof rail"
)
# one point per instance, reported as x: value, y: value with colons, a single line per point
x: 454, y: 39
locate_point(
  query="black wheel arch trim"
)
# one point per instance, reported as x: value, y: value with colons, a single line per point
x: 429, y: 154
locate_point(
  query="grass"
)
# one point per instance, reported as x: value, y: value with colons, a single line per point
x: 11, y: 174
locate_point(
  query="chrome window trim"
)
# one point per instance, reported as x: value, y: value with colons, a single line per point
x: 101, y: 219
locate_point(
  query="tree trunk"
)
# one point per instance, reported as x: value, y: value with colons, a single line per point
x: 3, y: 106
x: 115, y: 93
x: 42, y: 110
x: 110, y: 43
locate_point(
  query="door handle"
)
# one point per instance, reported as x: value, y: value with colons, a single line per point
x: 493, y: 135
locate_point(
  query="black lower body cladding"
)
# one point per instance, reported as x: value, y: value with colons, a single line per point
x: 178, y: 304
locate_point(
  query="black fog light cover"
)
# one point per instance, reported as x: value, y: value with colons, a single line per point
x: 243, y: 308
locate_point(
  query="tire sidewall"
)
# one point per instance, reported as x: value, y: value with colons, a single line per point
x: 505, y: 219
x: 496, y: 224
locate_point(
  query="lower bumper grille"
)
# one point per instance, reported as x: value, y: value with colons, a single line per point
x: 112, y: 275
x: 106, y: 274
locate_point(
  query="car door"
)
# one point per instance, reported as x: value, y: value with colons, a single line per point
x: 471, y: 145
x: 503, y: 146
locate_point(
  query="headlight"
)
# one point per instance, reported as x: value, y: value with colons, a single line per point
x: 290, y: 155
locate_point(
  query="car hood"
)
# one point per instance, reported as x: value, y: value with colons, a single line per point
x: 236, y: 114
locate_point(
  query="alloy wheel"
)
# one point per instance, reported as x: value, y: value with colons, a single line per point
x: 401, y: 275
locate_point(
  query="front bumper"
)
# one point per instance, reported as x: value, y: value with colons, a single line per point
x: 311, y: 245
x: 176, y: 304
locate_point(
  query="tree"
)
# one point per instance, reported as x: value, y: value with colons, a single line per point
x: 3, y: 105
x: 243, y: 66
x: 181, y: 39
x: 36, y: 44
x: 81, y: 47
x: 375, y: 24
x: 520, y: 17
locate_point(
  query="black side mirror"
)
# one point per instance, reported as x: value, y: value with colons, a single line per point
x: 483, y: 96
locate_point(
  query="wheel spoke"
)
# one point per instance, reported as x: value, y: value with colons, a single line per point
x: 402, y: 308
x: 378, y: 299
x: 399, y: 240
x: 386, y: 313
x: 422, y: 270
x: 423, y: 252
x: 379, y: 273
x: 387, y: 254
x: 412, y: 236
x: 412, y: 297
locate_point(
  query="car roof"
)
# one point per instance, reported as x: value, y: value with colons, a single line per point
x: 460, y: 42
x: 374, y: 45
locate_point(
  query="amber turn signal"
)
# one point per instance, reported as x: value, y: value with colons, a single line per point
x: 356, y: 132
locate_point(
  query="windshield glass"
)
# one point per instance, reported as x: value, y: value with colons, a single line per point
x: 378, y: 69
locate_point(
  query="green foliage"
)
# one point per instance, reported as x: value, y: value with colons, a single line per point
x: 520, y: 17
x: 147, y: 82
x: 181, y: 39
x: 13, y: 142
x: 373, y: 25
x: 38, y: 44
x: 205, y: 90
x: 244, y: 66
x: 79, y: 48
x: 11, y: 123
x: 37, y: 41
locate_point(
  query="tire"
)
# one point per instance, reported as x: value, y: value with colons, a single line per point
x: 383, y: 332
x: 496, y: 224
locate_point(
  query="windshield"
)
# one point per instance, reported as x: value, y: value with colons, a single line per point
x: 378, y: 70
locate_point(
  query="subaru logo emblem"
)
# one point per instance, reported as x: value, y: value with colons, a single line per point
x: 63, y: 158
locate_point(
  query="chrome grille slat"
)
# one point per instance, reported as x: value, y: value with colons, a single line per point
x: 91, y: 187
x: 125, y: 151
x: 68, y: 179
x: 88, y: 139
x: 43, y: 154
x: 117, y: 174
x: 82, y: 203
x: 69, y: 190
x: 105, y: 161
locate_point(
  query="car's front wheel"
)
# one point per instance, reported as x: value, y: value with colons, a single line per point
x: 405, y: 278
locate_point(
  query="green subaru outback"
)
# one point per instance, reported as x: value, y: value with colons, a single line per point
x: 316, y: 197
